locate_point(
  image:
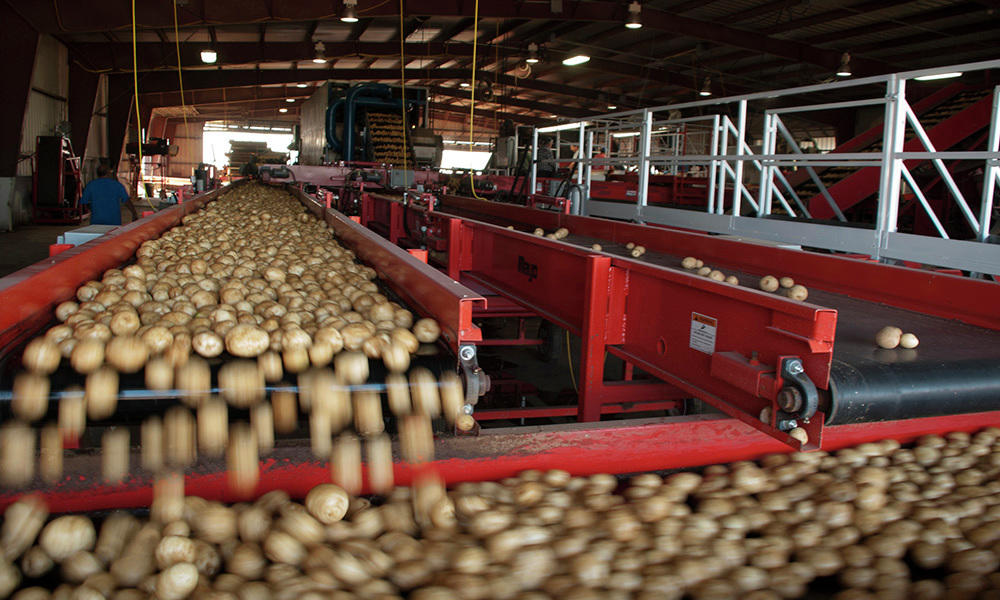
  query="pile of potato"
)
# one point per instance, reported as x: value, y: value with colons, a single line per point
x: 873, y: 521
x: 253, y: 281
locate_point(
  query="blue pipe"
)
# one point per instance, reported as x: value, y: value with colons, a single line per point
x: 374, y: 95
x: 331, y: 125
x: 374, y: 90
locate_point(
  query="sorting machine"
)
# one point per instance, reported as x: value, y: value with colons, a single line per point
x: 767, y: 363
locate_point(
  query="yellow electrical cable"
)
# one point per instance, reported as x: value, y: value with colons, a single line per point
x: 472, y: 105
x: 138, y: 116
x: 180, y: 76
x: 569, y: 360
x: 402, y: 80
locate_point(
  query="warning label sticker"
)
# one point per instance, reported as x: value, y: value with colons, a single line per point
x: 703, y: 330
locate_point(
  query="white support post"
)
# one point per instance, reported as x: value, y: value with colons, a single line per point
x: 991, y: 172
x: 713, y: 165
x: 720, y: 189
x: 893, y: 137
x: 579, y: 155
x: 589, y: 167
x: 644, y: 145
x: 534, y: 160
x: 741, y: 134
x: 766, y: 177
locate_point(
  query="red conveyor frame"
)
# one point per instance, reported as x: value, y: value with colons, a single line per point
x: 582, y: 448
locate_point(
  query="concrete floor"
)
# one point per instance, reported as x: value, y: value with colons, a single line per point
x: 29, y: 244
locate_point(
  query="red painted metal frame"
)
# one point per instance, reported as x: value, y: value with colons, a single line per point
x: 422, y: 287
x: 639, y: 312
x: 939, y: 294
x: 581, y: 449
x: 29, y: 296
x: 643, y: 314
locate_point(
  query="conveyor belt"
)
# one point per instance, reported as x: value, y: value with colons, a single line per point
x: 955, y: 370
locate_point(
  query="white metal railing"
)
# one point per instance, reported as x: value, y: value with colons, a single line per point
x: 740, y: 201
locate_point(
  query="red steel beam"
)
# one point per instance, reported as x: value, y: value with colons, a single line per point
x: 420, y: 286
x: 582, y: 449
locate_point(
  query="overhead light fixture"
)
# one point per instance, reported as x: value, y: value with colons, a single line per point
x: 209, y: 56
x: 320, y: 49
x: 951, y: 75
x: 579, y: 59
x: 844, y: 70
x: 706, y: 87
x: 625, y: 134
x: 634, y: 16
x: 350, y: 14
x: 282, y: 110
x: 612, y: 107
x: 464, y: 84
x: 289, y: 100
x: 532, y: 53
x: 301, y: 85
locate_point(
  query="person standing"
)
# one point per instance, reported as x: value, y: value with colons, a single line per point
x: 105, y: 195
x: 546, y: 159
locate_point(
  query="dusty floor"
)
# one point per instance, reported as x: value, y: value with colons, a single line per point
x: 29, y: 244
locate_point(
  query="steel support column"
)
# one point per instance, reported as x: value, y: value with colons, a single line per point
x: 121, y: 103
x: 18, y: 45
x: 82, y: 94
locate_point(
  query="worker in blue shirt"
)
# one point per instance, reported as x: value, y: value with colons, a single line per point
x: 104, y: 195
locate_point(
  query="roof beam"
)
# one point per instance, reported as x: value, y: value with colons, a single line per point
x: 558, y: 109
x: 113, y: 14
x: 166, y: 81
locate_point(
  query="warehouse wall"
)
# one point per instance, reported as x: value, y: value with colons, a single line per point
x: 46, y: 108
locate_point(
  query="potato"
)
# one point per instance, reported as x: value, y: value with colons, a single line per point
x: 769, y: 283
x: 157, y: 339
x: 41, y: 356
x: 64, y: 536
x: 207, y: 344
x: 87, y: 356
x: 30, y: 399
x: 716, y: 275
x: 909, y: 341
x: 241, y: 383
x: 380, y: 469
x: 426, y: 331
x: 22, y: 521
x: 247, y: 340
x: 351, y: 367
x: 786, y: 282
x: 101, y: 393
x: 242, y: 460
x: 127, y: 354
x: 888, y: 337
x: 797, y: 292
x: 115, y: 454
x: 177, y: 582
